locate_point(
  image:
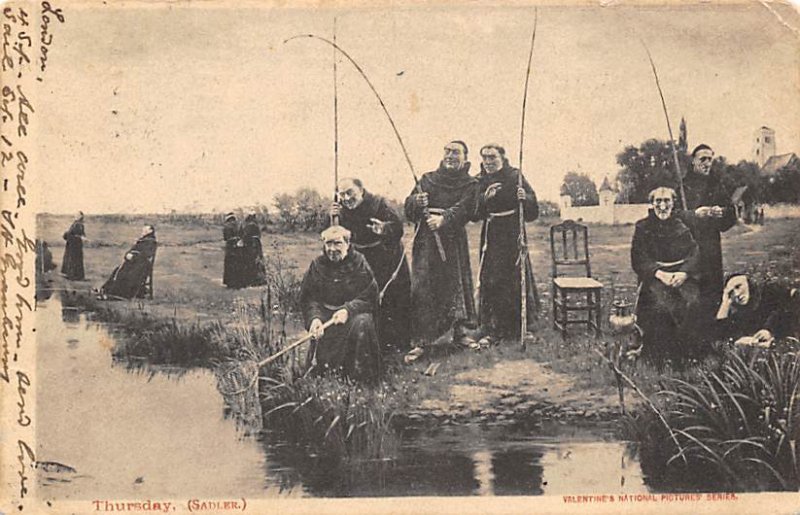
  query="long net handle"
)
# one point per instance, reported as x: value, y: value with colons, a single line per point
x: 267, y: 361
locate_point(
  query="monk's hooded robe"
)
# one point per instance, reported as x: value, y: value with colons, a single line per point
x: 253, y: 270
x: 384, y: 253
x: 234, y: 252
x: 128, y: 279
x: 72, y: 264
x: 666, y: 315
x: 441, y: 291
x: 351, y: 348
x: 498, y: 274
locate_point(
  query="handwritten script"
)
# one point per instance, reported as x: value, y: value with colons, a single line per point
x: 28, y: 37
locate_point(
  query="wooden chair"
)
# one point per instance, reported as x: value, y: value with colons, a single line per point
x: 569, y: 247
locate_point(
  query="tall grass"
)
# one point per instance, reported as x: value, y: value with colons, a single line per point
x: 736, y: 425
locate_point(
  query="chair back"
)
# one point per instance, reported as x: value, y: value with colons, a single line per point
x: 569, y: 247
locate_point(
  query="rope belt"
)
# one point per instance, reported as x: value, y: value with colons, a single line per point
x: 360, y: 246
x: 501, y: 214
x: 436, y: 211
x: 671, y: 263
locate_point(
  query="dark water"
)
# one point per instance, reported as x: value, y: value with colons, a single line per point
x: 131, y: 432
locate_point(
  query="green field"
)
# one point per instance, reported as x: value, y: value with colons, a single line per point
x: 188, y: 285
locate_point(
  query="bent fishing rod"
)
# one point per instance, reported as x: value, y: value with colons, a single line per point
x: 335, y: 218
x: 523, y: 236
x: 363, y: 74
x: 669, y: 127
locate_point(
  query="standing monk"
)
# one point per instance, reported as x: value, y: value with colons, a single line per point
x: 234, y: 248
x: 498, y: 274
x: 339, y: 285
x: 441, y: 286
x: 709, y: 213
x: 72, y: 264
x: 376, y: 232
x: 254, y: 272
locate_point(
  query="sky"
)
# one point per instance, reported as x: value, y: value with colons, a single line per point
x: 148, y: 108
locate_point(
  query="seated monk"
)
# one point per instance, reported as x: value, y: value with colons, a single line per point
x: 664, y: 256
x: 128, y: 279
x: 339, y: 285
x: 758, y: 314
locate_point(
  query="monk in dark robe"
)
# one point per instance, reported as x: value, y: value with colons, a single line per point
x: 758, y: 313
x: 709, y: 213
x: 254, y: 272
x: 665, y: 256
x: 376, y: 232
x: 441, y: 281
x: 44, y: 264
x: 72, y: 264
x: 128, y: 279
x: 233, y: 261
x: 498, y: 273
x: 339, y: 286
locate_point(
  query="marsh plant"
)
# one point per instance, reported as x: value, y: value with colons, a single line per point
x: 733, y: 428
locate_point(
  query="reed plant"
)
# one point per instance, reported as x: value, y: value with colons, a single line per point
x: 735, y: 425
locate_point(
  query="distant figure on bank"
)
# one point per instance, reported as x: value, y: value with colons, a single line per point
x: 441, y: 279
x: 665, y: 256
x: 499, y: 274
x: 72, y: 264
x: 376, y: 232
x: 128, y: 279
x: 339, y: 285
x: 758, y: 314
x: 253, y: 270
x: 234, y: 253
x: 44, y: 264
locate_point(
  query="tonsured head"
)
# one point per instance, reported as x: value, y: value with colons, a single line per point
x: 493, y: 157
x: 702, y: 157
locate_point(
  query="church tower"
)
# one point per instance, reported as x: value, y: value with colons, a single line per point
x: 683, y: 141
x: 763, y: 145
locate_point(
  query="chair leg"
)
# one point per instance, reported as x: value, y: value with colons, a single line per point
x: 553, y: 299
x: 597, y: 315
x: 564, y: 314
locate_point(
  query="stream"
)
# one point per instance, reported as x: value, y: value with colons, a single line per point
x: 111, y: 429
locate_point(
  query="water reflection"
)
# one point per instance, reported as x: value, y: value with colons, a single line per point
x: 464, y: 461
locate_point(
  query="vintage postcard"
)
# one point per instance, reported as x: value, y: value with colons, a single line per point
x: 400, y: 257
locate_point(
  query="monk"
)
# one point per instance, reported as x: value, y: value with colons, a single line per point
x: 758, y: 313
x: 128, y: 279
x: 499, y: 274
x: 665, y: 256
x: 339, y: 286
x: 232, y: 264
x: 441, y: 284
x: 376, y: 232
x: 253, y: 269
x: 72, y: 264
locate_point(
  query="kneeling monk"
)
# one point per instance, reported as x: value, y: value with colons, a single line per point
x: 339, y: 285
x: 128, y: 279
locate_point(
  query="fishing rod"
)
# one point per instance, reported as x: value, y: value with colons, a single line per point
x: 523, y: 237
x: 335, y: 218
x: 669, y: 127
x: 363, y: 74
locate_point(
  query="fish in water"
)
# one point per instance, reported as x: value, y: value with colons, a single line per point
x: 53, y: 467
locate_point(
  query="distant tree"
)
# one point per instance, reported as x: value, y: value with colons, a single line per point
x: 744, y: 173
x: 581, y: 189
x: 304, y: 210
x: 646, y: 167
x: 783, y: 185
x: 548, y: 209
